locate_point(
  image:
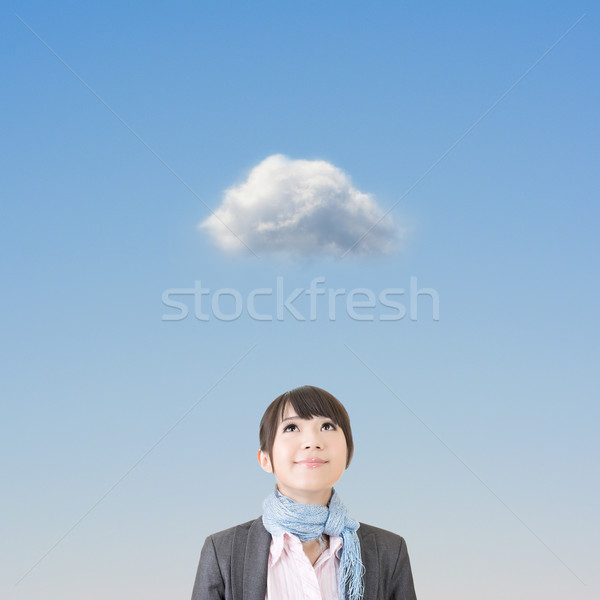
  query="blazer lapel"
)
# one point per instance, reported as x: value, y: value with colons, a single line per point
x: 250, y: 559
x: 370, y: 560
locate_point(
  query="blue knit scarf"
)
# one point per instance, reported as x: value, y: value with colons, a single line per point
x: 311, y: 521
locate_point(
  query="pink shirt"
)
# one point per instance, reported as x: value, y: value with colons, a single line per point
x: 290, y: 575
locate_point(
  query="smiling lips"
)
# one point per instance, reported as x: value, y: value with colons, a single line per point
x: 311, y: 463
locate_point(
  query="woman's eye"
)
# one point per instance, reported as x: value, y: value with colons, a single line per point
x: 330, y: 426
x: 287, y: 427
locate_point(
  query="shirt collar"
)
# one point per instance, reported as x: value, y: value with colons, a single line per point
x: 286, y: 539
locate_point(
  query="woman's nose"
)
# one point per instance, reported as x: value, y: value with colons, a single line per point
x: 313, y: 440
x: 313, y: 436
x: 314, y: 444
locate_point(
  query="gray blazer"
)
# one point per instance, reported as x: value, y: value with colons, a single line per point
x: 233, y: 564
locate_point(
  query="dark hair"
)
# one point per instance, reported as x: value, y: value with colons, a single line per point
x: 308, y: 401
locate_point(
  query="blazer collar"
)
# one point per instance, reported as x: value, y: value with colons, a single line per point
x: 250, y: 560
x: 251, y: 550
x: 370, y: 560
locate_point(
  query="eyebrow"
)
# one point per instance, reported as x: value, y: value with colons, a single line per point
x: 289, y: 418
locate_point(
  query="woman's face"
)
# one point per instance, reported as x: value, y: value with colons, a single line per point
x: 309, y: 457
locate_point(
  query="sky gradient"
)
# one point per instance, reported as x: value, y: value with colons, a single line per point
x: 130, y: 434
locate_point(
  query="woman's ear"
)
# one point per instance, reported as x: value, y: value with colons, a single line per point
x: 264, y: 461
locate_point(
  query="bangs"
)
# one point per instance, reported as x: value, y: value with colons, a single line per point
x: 308, y: 404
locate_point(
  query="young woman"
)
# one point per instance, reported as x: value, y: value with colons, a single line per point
x: 305, y: 545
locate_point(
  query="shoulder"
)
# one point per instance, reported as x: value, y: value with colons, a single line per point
x: 382, y: 536
x: 226, y: 536
x: 230, y: 531
x: 217, y: 558
x: 386, y: 555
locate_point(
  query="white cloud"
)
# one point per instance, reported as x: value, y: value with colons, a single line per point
x: 299, y: 207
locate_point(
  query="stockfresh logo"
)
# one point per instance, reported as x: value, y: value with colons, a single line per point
x: 302, y: 303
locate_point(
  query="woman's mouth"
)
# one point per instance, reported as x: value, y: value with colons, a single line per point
x: 311, y: 463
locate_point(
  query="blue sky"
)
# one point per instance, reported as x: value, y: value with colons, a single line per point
x: 475, y: 432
